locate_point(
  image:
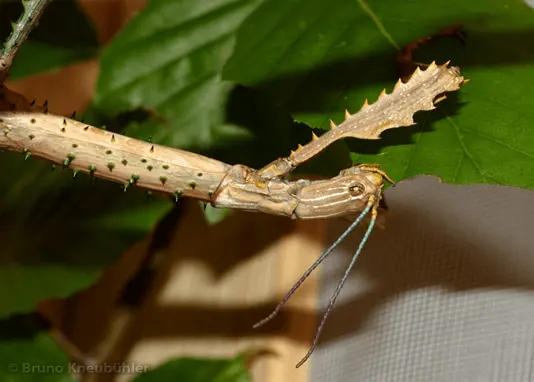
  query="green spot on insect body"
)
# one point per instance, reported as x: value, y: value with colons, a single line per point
x: 66, y: 163
x: 71, y: 156
x: 163, y: 179
x: 111, y: 166
x: 32, y: 120
x: 179, y: 192
x: 143, y: 160
x: 193, y: 184
x: 149, y: 167
x: 165, y: 166
x: 124, y: 162
x: 74, y: 145
x: 109, y: 152
x: 27, y: 153
x: 134, y: 178
x: 92, y: 169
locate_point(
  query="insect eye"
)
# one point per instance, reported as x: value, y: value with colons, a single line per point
x: 356, y: 189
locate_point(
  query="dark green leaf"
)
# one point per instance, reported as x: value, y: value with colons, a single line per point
x: 319, y: 58
x: 29, y: 354
x: 198, y: 370
x: 59, y: 234
x: 64, y: 36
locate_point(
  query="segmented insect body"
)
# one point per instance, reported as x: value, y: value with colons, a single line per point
x: 114, y: 157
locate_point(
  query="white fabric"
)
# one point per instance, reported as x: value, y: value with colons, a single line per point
x: 444, y: 293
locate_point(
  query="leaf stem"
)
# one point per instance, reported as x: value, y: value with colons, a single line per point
x: 21, y: 29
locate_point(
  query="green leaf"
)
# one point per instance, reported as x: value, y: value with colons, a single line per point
x: 167, y: 60
x: 59, y: 234
x: 319, y: 58
x: 198, y: 370
x: 214, y: 215
x: 49, y: 41
x: 29, y: 354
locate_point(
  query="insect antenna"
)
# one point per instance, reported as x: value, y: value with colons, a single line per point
x: 316, y: 264
x: 341, y: 282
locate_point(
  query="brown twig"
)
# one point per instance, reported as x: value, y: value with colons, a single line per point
x: 405, y: 63
x: 27, y: 21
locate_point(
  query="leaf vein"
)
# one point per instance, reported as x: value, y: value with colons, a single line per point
x: 464, y: 147
x: 367, y: 9
x: 136, y: 79
x: 482, y: 135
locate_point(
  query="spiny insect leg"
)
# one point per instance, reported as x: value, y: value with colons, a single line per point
x: 339, y: 287
x: 316, y: 264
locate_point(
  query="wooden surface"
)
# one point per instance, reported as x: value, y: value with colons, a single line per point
x: 214, y: 282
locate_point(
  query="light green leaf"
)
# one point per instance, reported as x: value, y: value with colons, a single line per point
x: 168, y: 60
x: 319, y: 58
x: 50, y: 41
x: 198, y: 370
x: 215, y: 215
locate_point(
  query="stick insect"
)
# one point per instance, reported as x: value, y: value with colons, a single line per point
x: 356, y: 191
